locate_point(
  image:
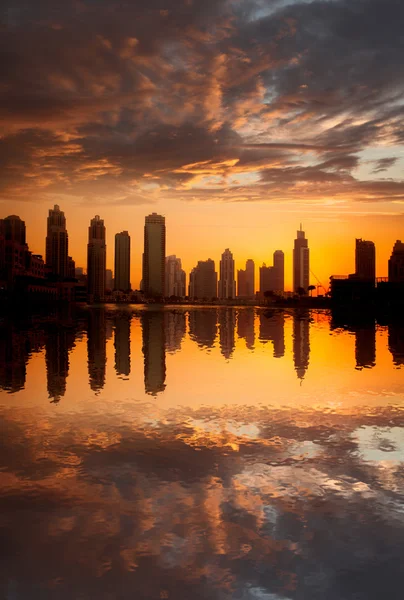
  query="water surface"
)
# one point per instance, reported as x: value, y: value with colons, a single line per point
x: 201, y: 453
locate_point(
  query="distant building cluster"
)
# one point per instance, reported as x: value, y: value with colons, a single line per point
x: 163, y: 277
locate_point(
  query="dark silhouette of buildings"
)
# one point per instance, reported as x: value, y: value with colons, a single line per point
x: 272, y: 329
x: 57, y: 244
x: 227, y: 324
x: 122, y: 261
x: 203, y: 327
x: 227, y: 282
x: 272, y: 278
x: 153, y: 348
x: 396, y: 263
x: 203, y: 281
x: 365, y: 260
x: 246, y: 280
x: 175, y: 328
x: 175, y: 278
x: 58, y: 343
x: 96, y: 260
x: 154, y: 256
x: 301, y: 342
x: 71, y: 268
x: 396, y: 343
x: 301, y: 262
x: 96, y: 348
x: 245, y: 326
x: 14, y: 353
x: 122, y: 343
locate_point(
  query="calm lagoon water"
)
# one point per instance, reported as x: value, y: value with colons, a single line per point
x: 201, y: 454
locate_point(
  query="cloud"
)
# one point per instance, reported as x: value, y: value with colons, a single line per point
x: 97, y: 98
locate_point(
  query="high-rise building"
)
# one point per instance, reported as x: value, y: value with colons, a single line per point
x: 279, y: 267
x: 96, y: 259
x: 57, y: 243
x: 154, y: 256
x: 227, y: 283
x: 245, y: 280
x: 97, y: 348
x: 109, y: 279
x: 122, y: 261
x: 365, y: 260
x: 153, y: 336
x: 122, y: 343
x: 175, y: 277
x: 203, y: 280
x: 396, y: 263
x: 301, y: 262
x: 301, y: 342
x: 14, y: 247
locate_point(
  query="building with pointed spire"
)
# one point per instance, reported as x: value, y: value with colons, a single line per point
x: 57, y: 244
x: 227, y: 283
x: 301, y: 262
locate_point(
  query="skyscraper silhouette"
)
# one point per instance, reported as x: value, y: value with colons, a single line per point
x: 175, y: 277
x: 396, y: 263
x: 272, y: 329
x: 227, y: 283
x: 154, y: 256
x: 57, y: 243
x: 203, y: 280
x: 14, y: 247
x: 396, y: 343
x: 365, y: 260
x: 301, y: 262
x: 96, y: 348
x: 122, y: 261
x: 96, y: 259
x: 246, y: 280
x: 153, y: 348
x: 301, y: 342
x: 14, y: 352
x: 122, y: 343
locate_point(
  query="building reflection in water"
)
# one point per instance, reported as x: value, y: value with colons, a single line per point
x: 122, y: 324
x: 272, y: 329
x: 203, y: 327
x: 365, y: 346
x: 396, y: 343
x: 96, y: 348
x: 153, y: 348
x: 245, y: 326
x: 175, y: 323
x: 14, y: 354
x: 227, y: 324
x: 301, y: 342
x: 59, y: 341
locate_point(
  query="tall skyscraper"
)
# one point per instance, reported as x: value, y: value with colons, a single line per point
x: 153, y: 336
x: 175, y: 277
x: 96, y: 259
x: 365, y: 260
x: 301, y: 342
x: 203, y: 280
x: 279, y: 267
x: 97, y: 348
x: 57, y: 243
x: 14, y: 246
x: 301, y: 262
x: 122, y: 261
x: 122, y: 343
x: 227, y: 283
x: 246, y: 280
x: 109, y: 279
x: 154, y: 256
x: 396, y: 263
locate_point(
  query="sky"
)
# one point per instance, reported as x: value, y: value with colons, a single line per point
x: 236, y: 119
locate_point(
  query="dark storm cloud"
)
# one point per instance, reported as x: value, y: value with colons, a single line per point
x: 114, y: 95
